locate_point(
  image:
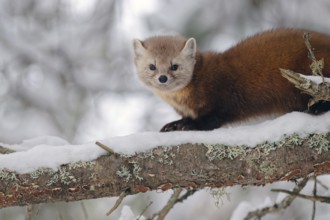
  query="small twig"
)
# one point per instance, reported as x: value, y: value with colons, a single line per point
x: 84, y: 210
x: 322, y: 199
x: 314, y: 202
x: 317, y: 65
x: 4, y: 150
x: 106, y: 148
x: 37, y: 207
x: 175, y: 198
x: 322, y: 184
x: 278, y: 206
x: 145, y: 209
x: 170, y: 203
x: 118, y: 202
x: 59, y: 213
x: 29, y: 212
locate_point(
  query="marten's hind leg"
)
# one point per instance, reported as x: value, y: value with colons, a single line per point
x: 319, y: 108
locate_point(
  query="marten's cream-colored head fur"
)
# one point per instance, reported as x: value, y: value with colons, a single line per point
x: 165, y: 63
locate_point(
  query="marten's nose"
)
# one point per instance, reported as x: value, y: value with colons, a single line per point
x: 162, y: 79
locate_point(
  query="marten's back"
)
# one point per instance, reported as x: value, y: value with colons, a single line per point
x: 247, y: 77
x: 281, y: 48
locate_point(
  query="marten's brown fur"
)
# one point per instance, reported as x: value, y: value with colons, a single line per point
x: 210, y: 89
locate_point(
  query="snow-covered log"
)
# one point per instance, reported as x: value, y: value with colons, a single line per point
x: 192, y: 166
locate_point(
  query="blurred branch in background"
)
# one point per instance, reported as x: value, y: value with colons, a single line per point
x: 55, y: 60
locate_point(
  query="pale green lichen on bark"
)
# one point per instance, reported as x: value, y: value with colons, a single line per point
x: 199, y: 173
x: 289, y: 141
x: 136, y: 171
x: 221, y: 151
x: 267, y: 147
x: 7, y: 175
x: 53, y: 180
x: 147, y: 155
x: 294, y: 140
x: 62, y: 175
x: 41, y: 172
x: 65, y: 177
x: 218, y: 194
x: 319, y: 142
x: 124, y: 173
x: 165, y: 155
x: 268, y: 169
x: 81, y: 164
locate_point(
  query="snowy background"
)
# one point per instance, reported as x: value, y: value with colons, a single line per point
x: 66, y: 70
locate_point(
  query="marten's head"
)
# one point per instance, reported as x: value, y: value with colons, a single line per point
x: 165, y: 63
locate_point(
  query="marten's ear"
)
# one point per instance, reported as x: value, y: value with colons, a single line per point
x: 138, y: 47
x: 190, y: 47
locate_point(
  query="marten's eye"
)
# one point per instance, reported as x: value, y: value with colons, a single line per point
x: 174, y: 67
x: 152, y: 67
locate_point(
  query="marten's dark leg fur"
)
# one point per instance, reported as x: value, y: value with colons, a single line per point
x: 212, y: 121
x: 208, y: 122
x: 319, y: 108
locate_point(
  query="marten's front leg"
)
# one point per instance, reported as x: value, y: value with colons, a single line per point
x: 205, y: 123
x: 184, y: 124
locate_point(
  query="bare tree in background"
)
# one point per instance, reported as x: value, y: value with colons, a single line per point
x: 53, y: 60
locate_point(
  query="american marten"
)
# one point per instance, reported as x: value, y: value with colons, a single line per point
x: 210, y: 89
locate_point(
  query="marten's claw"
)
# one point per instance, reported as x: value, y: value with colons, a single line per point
x: 169, y: 127
x: 180, y: 125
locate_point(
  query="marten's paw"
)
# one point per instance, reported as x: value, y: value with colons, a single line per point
x: 179, y: 125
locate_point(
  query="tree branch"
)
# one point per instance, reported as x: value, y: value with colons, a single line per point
x: 191, y: 166
x: 170, y: 203
x: 323, y: 199
x: 4, y: 150
x: 257, y: 214
x: 317, y: 65
x: 319, y: 92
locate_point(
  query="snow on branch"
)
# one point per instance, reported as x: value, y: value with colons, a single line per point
x: 191, y: 166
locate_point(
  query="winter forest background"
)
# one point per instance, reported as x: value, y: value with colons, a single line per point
x: 66, y: 70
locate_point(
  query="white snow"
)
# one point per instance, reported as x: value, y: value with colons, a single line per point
x: 45, y: 140
x: 315, y: 79
x: 250, y: 135
x: 50, y: 156
x: 51, y: 152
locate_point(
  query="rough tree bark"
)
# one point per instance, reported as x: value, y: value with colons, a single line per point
x: 191, y: 166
